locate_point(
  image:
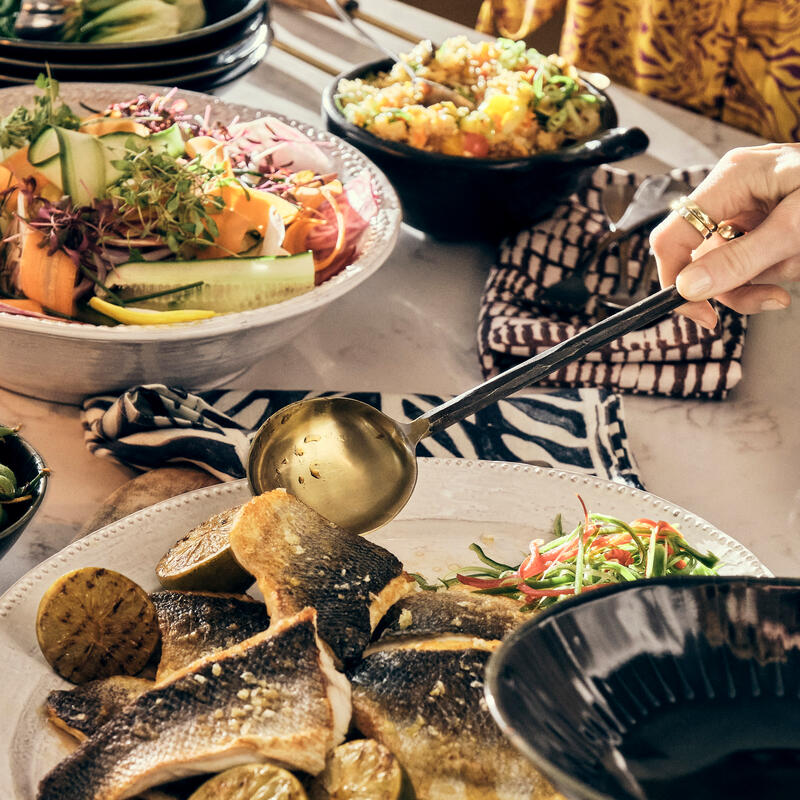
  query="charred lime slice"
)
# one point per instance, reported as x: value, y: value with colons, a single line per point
x: 202, y: 560
x: 360, y: 770
x: 252, y: 782
x: 93, y: 623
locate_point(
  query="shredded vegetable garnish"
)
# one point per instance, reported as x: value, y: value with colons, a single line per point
x: 601, y: 550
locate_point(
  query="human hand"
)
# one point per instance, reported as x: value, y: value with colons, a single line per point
x: 756, y: 190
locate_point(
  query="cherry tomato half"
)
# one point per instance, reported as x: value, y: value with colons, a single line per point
x: 476, y: 145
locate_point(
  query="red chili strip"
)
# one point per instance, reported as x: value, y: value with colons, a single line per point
x: 486, y: 583
x: 534, y: 564
x: 620, y: 556
x: 556, y: 592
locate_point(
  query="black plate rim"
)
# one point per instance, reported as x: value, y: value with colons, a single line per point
x: 260, y: 19
x: 252, y: 58
x: 250, y: 8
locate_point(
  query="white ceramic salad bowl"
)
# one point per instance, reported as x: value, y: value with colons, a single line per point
x: 65, y: 362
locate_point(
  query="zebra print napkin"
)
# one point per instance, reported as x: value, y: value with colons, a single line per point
x: 675, y: 357
x: 580, y: 430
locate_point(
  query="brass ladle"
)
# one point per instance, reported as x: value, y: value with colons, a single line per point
x: 357, y: 466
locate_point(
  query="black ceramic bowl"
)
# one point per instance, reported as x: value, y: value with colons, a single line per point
x: 673, y: 688
x: 454, y: 197
x: 233, y: 41
x: 227, y: 20
x: 25, y: 463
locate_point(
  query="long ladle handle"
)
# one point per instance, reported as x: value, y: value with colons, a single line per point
x: 639, y: 315
x: 348, y: 20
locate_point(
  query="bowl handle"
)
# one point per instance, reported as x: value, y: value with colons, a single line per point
x: 613, y: 144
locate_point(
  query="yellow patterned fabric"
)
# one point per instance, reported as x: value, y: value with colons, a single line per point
x: 733, y: 60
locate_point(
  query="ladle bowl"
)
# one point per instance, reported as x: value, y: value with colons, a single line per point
x: 314, y: 448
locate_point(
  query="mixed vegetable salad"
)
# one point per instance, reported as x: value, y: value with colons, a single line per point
x: 100, y: 21
x: 601, y: 550
x: 145, y: 213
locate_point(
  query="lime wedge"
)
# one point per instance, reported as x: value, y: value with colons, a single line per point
x: 203, y: 561
x: 252, y: 782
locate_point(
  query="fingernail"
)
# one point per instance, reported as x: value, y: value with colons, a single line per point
x: 694, y: 283
x: 773, y: 305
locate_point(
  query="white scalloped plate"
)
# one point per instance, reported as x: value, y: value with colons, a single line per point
x: 455, y: 503
x: 198, y: 354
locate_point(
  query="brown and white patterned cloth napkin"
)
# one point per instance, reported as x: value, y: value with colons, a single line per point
x: 675, y: 357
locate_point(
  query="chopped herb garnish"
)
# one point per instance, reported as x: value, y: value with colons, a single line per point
x: 23, y: 124
x: 169, y: 198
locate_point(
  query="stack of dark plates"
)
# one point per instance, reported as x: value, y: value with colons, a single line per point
x: 233, y: 41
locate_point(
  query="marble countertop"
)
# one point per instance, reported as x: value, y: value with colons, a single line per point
x: 412, y: 328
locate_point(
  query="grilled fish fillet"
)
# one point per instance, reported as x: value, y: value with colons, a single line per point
x: 85, y: 709
x: 275, y: 696
x: 427, y: 707
x: 452, y: 613
x: 197, y: 624
x: 300, y: 559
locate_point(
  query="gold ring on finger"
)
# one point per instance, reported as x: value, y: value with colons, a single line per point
x: 701, y: 222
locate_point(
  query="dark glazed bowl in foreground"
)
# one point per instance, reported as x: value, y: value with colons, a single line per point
x: 25, y: 463
x: 669, y: 688
x: 454, y: 197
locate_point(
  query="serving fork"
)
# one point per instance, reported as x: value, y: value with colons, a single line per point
x: 650, y: 202
x: 624, y: 296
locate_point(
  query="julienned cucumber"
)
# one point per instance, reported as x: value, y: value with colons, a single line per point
x: 229, y: 284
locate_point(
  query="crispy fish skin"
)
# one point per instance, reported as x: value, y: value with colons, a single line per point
x: 197, y: 624
x: 300, y: 559
x: 193, y: 625
x: 274, y: 697
x: 425, y: 614
x: 428, y: 708
x: 82, y: 711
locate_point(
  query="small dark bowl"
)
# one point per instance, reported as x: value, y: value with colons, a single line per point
x: 25, y: 463
x: 671, y: 688
x: 454, y: 197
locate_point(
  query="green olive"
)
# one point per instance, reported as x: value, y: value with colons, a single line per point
x: 8, y: 473
x: 8, y: 486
